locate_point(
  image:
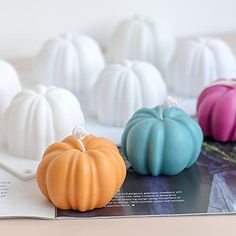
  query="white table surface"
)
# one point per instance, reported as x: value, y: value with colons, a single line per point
x: 187, y: 225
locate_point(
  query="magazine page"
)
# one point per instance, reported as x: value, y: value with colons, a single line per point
x: 19, y: 194
x: 208, y: 187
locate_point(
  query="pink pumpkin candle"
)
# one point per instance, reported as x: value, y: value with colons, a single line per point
x: 216, y: 110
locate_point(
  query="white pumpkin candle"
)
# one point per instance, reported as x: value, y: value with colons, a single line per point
x: 9, y: 85
x: 142, y: 38
x: 123, y: 88
x: 38, y: 117
x: 69, y: 61
x: 197, y: 63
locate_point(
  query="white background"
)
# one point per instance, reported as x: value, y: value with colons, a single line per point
x: 25, y: 24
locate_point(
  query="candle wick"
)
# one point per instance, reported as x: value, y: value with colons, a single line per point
x: 170, y: 102
x: 80, y: 134
x: 82, y: 145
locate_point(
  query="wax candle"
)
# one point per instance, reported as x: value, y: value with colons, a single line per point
x: 216, y: 110
x: 161, y: 140
x: 82, y: 172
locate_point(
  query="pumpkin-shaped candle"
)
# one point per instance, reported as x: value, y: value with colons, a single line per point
x: 69, y: 61
x: 197, y: 63
x: 122, y: 88
x: 161, y: 140
x: 82, y: 172
x: 142, y: 38
x: 216, y: 110
x: 9, y: 85
x: 38, y: 117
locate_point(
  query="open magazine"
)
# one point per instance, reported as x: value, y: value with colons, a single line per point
x: 208, y: 187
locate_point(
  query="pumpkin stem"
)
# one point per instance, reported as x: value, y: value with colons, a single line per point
x: 80, y: 134
x: 170, y: 102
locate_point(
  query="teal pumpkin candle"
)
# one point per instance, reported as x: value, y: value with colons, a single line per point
x: 162, y: 140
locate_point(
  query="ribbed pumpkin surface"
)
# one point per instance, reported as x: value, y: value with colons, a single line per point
x: 73, y: 179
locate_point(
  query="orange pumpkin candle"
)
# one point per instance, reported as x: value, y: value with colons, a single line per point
x: 82, y: 172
